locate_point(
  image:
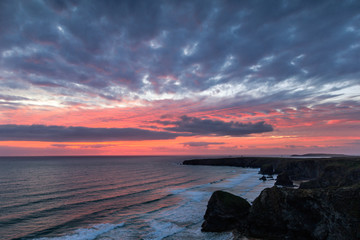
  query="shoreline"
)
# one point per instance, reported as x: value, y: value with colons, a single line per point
x: 325, y: 206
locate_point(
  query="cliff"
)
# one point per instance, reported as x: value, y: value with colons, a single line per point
x: 225, y: 212
x: 282, y: 213
x: 296, y: 168
x: 327, y: 206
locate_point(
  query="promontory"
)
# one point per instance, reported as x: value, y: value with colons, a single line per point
x: 325, y: 206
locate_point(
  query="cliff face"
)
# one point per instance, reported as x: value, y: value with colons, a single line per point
x: 335, y: 175
x: 325, y: 207
x: 281, y: 213
x: 225, y: 212
x: 297, y: 169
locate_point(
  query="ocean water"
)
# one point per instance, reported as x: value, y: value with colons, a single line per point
x: 147, y: 197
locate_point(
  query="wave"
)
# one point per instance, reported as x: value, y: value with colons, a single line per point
x: 166, y: 201
x: 88, y: 233
x: 85, y: 202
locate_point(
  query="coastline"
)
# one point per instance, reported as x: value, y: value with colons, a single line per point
x: 325, y: 206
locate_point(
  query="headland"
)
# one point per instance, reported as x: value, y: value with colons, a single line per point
x: 325, y: 205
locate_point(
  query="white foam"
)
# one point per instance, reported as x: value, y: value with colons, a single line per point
x: 162, y: 229
x: 88, y: 233
x: 243, y: 176
x: 183, y: 220
x: 196, y: 196
x: 178, y: 191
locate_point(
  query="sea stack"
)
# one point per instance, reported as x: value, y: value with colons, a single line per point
x: 225, y: 212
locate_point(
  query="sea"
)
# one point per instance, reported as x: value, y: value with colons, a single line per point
x: 114, y: 197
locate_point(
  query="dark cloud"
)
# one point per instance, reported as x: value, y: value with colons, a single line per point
x: 34, y: 151
x: 197, y: 126
x: 201, y: 144
x: 83, y: 146
x: 12, y: 98
x: 77, y: 134
x: 106, y: 48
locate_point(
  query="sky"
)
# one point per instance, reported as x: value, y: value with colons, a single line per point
x: 208, y: 77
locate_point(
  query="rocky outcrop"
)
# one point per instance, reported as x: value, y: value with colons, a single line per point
x: 334, y: 175
x: 267, y: 169
x: 326, y: 207
x: 285, y: 213
x: 263, y: 178
x: 246, y: 162
x: 297, y: 169
x: 303, y: 169
x: 283, y: 179
x: 225, y: 212
x: 281, y: 213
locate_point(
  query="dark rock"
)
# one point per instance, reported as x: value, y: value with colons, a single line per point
x: 263, y: 178
x: 352, y: 176
x: 328, y: 177
x: 303, y: 169
x: 267, y: 169
x: 327, y: 207
x: 298, y: 169
x: 334, y: 175
x: 264, y: 217
x: 283, y: 179
x: 322, y: 155
x: 283, y: 213
x: 346, y: 200
x: 225, y: 212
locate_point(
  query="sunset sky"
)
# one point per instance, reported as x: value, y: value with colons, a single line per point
x: 179, y: 77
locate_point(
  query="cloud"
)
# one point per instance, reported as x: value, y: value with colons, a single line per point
x: 11, y: 98
x: 106, y: 48
x: 356, y: 142
x: 83, y: 146
x: 197, y: 126
x: 78, y: 134
x: 35, y: 151
x: 201, y: 144
x: 256, y: 64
